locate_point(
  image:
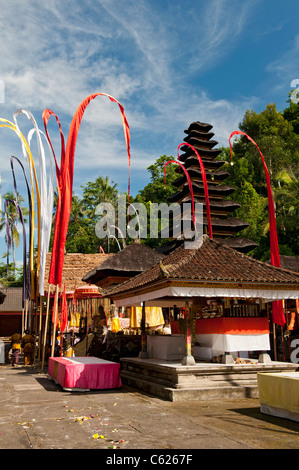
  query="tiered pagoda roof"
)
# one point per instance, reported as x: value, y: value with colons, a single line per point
x: 224, y: 226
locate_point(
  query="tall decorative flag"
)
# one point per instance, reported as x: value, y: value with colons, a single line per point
x: 205, y: 185
x: 46, y: 196
x: 64, y: 314
x: 25, y: 145
x: 55, y: 315
x: 75, y: 297
x: 277, y: 306
x: 65, y: 181
x: 26, y: 271
x: 64, y: 317
x: 189, y: 183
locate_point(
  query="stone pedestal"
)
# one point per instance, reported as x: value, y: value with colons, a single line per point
x: 188, y: 361
x: 227, y: 359
x: 264, y: 358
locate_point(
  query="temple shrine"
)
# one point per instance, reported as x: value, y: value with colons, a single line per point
x: 225, y: 227
x: 219, y: 306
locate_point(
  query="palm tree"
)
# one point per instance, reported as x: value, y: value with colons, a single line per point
x: 13, y: 217
x: 96, y: 192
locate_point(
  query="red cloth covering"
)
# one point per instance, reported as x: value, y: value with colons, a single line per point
x: 84, y: 372
x: 228, y: 326
x: 64, y: 313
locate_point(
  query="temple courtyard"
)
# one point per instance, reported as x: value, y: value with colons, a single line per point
x: 36, y: 413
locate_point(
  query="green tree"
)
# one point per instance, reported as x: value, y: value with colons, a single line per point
x: 81, y: 236
x: 95, y: 192
x: 291, y: 114
x: 274, y: 135
x: 158, y: 191
x: 11, y: 277
x: 287, y: 205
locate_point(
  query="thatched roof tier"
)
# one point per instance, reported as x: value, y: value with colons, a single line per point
x: 289, y: 262
x: 208, y: 164
x: 242, y: 245
x: 230, y: 224
x: 74, y: 268
x: 219, y: 207
x: 222, y: 228
x: 213, y: 177
x: 129, y: 262
x: 203, y: 152
x: 198, y: 126
x: 200, y: 143
x: 219, y: 191
x: 196, y: 134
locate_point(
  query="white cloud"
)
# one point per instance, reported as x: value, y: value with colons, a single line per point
x: 219, y: 28
x: 58, y: 54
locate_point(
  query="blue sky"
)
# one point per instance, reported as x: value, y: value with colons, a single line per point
x: 167, y: 62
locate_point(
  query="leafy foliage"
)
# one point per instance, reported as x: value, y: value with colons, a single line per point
x: 278, y: 141
x: 11, y: 277
x: 157, y: 190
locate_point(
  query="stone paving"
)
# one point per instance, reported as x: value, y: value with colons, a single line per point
x: 35, y: 413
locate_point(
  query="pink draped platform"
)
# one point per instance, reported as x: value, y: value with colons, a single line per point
x: 77, y: 373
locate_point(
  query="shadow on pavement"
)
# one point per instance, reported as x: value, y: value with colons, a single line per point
x: 257, y: 414
x: 51, y: 386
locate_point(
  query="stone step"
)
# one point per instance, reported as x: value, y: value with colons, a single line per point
x: 204, y: 392
x: 201, y: 381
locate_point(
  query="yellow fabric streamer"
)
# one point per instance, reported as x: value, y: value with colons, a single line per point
x: 13, y: 127
x: 75, y: 320
x: 153, y: 316
x: 115, y: 326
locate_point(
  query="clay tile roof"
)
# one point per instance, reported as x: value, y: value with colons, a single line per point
x: 74, y: 267
x: 213, y: 261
